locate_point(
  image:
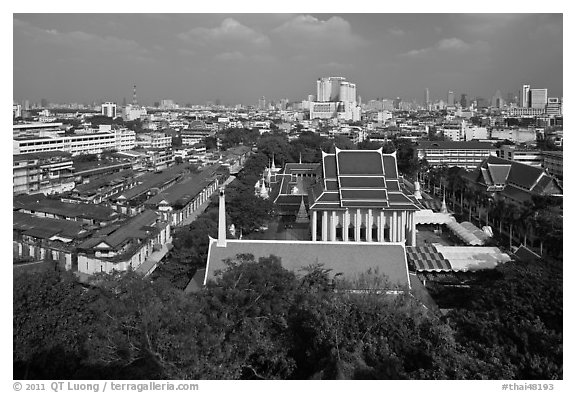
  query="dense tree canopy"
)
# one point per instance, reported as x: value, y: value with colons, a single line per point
x: 259, y: 321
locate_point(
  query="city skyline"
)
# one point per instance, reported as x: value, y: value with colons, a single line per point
x: 194, y: 58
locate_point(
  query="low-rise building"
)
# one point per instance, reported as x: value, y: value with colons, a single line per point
x: 526, y: 156
x: 154, y: 140
x: 99, y: 189
x: 131, y: 201
x: 193, y: 137
x: 177, y: 203
x: 467, y: 155
x: 46, y: 173
x: 512, y: 180
x: 137, y: 244
x: 42, y: 206
x: 46, y: 239
x: 552, y: 161
x: 90, y: 143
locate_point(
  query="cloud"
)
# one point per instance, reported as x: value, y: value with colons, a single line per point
x: 396, y: 32
x: 78, y: 41
x: 230, y: 56
x: 239, y: 56
x: 230, y: 31
x: 489, y: 24
x: 448, y: 46
x: 308, y: 31
x: 336, y: 66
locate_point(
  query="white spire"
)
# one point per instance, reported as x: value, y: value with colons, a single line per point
x: 222, y: 220
x: 444, y: 209
x: 417, y: 193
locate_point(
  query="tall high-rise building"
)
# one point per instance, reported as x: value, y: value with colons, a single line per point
x: 497, y: 100
x: 109, y: 109
x: 262, y: 103
x: 464, y: 101
x: 450, y: 98
x: 335, y: 98
x: 525, y: 95
x: 335, y: 88
x: 426, y: 97
x: 538, y: 98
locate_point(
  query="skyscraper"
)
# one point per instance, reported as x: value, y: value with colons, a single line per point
x: 450, y: 98
x: 426, y: 97
x: 538, y: 98
x: 463, y: 101
x: 335, y: 97
x: 335, y: 88
x: 497, y: 100
x: 525, y: 96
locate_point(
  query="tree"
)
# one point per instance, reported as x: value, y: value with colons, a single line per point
x: 51, y: 321
x: 406, y: 157
x: 275, y: 146
x: 512, y: 322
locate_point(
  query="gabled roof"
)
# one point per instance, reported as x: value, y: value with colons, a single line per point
x: 138, y: 227
x: 351, y: 259
x: 495, y: 171
x: 40, y: 203
x: 359, y: 179
x: 45, y: 228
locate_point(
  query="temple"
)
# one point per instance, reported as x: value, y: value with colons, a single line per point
x: 357, y: 197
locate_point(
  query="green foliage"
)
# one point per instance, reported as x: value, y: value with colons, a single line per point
x: 259, y: 321
x: 512, y: 321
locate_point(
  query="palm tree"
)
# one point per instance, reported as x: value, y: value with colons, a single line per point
x: 498, y: 209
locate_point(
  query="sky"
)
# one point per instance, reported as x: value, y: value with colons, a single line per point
x: 237, y: 58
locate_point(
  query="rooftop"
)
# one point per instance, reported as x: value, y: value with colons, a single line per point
x: 45, y: 228
x: 351, y: 259
x: 451, y: 145
x: 186, y: 189
x: 139, y: 227
x: 40, y: 203
x: 41, y: 155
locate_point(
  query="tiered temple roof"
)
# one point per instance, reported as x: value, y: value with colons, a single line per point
x: 359, y: 179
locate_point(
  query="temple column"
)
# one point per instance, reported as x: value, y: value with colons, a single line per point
x: 381, y: 223
x: 394, y: 227
x: 412, y: 229
x: 325, y: 225
x: 314, y: 224
x: 401, y: 233
x: 405, y: 226
x: 358, y: 223
x: 369, y: 223
x: 333, y: 226
x: 346, y: 225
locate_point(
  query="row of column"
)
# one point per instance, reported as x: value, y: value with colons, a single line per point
x: 400, y: 224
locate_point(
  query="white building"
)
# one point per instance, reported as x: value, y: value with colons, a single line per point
x: 133, y: 112
x: 16, y: 110
x: 109, y: 109
x: 336, y: 98
x: 88, y: 143
x: 154, y: 140
x: 125, y: 139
